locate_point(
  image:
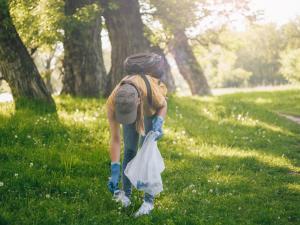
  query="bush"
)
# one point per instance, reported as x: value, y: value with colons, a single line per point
x: 290, y: 62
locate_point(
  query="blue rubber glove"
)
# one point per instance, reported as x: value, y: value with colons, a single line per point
x: 157, y: 123
x: 115, y: 176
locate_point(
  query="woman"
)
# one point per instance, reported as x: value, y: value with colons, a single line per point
x: 128, y: 105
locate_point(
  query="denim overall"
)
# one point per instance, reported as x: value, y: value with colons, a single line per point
x: 131, y: 139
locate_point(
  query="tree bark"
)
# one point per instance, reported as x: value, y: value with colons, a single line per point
x: 126, y: 34
x: 84, y: 71
x: 187, y: 64
x: 167, y: 79
x: 17, y: 67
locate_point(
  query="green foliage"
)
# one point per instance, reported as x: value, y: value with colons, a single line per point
x: 235, y: 78
x: 113, y: 5
x: 3, y: 9
x: 229, y: 160
x: 247, y: 58
x: 291, y: 34
x: 82, y: 17
x: 260, y: 54
x: 219, y: 66
x: 39, y: 23
x: 290, y: 61
x: 6, y: 26
x: 176, y: 14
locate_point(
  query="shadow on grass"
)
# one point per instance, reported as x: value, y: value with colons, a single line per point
x: 48, y: 166
x: 236, y: 124
x: 66, y: 182
x: 227, y: 190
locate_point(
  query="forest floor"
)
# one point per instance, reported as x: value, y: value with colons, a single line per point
x: 230, y: 159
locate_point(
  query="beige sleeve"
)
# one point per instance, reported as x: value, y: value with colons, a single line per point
x: 110, y: 103
x: 159, y: 92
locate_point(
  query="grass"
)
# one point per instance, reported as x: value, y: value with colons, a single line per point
x: 229, y: 160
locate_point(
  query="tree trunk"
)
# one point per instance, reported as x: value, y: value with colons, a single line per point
x: 48, y: 72
x: 167, y: 79
x: 187, y: 64
x: 17, y: 67
x: 84, y: 71
x: 126, y: 34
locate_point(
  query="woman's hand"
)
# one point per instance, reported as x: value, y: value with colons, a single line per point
x: 157, y: 123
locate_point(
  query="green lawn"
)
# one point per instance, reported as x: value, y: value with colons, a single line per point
x: 229, y: 160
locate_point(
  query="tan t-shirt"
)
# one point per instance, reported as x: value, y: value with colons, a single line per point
x: 159, y: 93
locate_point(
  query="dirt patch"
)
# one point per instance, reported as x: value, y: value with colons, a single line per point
x: 295, y: 119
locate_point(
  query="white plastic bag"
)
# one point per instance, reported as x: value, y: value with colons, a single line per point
x: 145, y: 168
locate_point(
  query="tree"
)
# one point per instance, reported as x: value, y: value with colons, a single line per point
x: 219, y: 59
x: 125, y: 28
x: 291, y: 34
x: 126, y: 34
x: 178, y: 17
x: 39, y: 24
x: 290, y: 65
x: 156, y: 47
x: 17, y: 66
x: 188, y: 64
x: 289, y: 57
x: 176, y: 22
x: 167, y: 79
x: 260, y: 54
x: 84, y: 71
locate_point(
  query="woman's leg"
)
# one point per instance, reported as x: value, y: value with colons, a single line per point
x: 131, y: 138
x: 148, y: 127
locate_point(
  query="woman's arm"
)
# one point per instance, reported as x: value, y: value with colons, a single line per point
x: 115, y: 139
x: 163, y: 110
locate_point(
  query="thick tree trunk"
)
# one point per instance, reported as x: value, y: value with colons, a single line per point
x: 126, y: 34
x: 84, y: 71
x: 187, y: 64
x: 16, y: 65
x: 168, y: 77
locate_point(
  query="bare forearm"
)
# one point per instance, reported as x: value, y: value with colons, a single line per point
x: 115, y: 139
x: 162, y: 111
x: 115, y: 147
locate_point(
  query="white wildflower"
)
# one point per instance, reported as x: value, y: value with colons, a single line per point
x: 191, y: 186
x: 31, y: 164
x: 47, y: 196
x: 1, y: 184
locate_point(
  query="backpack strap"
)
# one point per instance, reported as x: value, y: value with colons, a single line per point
x: 132, y: 84
x: 148, y: 86
x: 149, y: 90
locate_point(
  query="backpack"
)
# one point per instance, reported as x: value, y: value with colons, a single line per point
x: 142, y: 64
